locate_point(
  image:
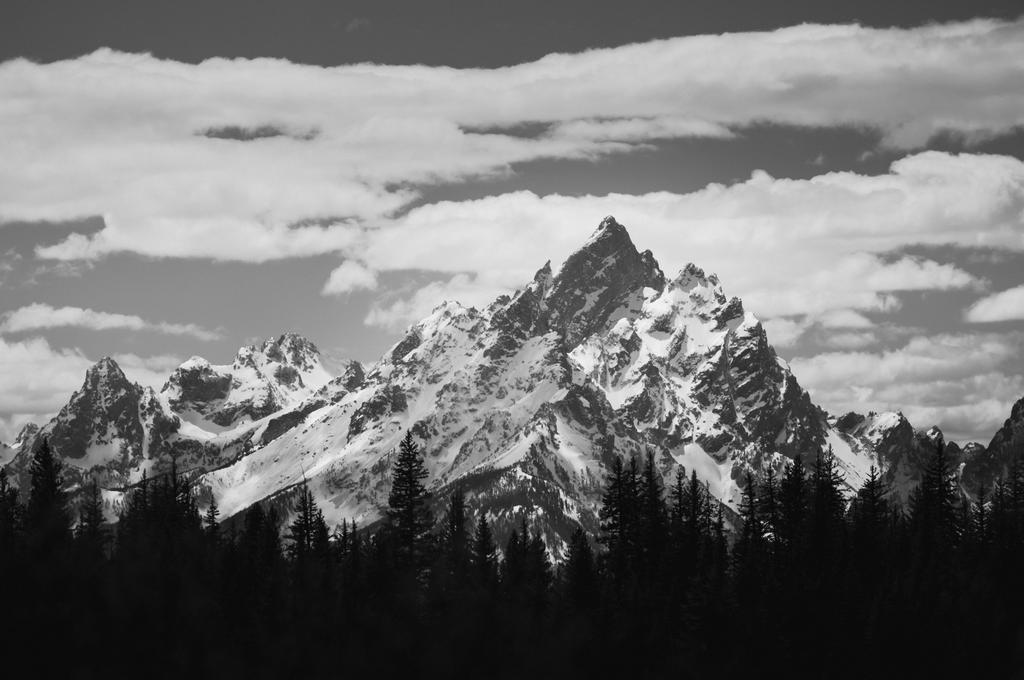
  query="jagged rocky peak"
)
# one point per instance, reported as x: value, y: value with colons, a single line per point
x: 606, y: 274
x: 26, y: 435
x: 106, y: 376
x: 104, y: 409
x: 291, y: 349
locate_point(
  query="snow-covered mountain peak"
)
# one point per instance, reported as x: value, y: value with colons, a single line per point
x: 279, y: 373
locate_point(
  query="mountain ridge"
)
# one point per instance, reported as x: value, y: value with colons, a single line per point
x: 524, y: 405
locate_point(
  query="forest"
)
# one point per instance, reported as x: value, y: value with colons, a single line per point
x: 809, y: 583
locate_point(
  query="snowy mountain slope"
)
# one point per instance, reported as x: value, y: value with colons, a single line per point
x: 527, y: 403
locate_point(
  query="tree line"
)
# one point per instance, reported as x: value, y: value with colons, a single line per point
x: 805, y: 582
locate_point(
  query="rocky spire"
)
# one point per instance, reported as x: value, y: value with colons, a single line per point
x: 606, y: 274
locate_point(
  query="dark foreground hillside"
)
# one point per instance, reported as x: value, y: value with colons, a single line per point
x: 809, y: 585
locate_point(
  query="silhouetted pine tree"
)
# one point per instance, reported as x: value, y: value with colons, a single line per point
x: 409, y: 518
x: 12, y: 520
x: 768, y: 508
x: 618, y: 522
x: 748, y: 551
x: 485, y: 553
x: 47, y: 520
x: 211, y: 526
x: 91, y: 532
x: 793, y: 507
x: 869, y: 514
x: 652, y: 523
x: 579, y: 575
x: 307, y: 534
x: 452, y: 566
x: 933, y: 507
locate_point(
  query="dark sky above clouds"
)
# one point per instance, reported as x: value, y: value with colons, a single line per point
x: 184, y: 178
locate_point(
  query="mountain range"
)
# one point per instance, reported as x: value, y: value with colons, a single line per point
x: 523, y: 406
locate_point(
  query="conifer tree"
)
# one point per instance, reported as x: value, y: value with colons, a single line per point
x: 306, y: 532
x: 982, y: 528
x: 793, y: 502
x: 769, y: 505
x: 747, y: 553
x: 870, y: 514
x: 454, y: 534
x: 12, y: 518
x: 580, y: 585
x: 485, y: 552
x: 827, y: 505
x: 933, y: 505
x: 652, y: 518
x: 454, y: 541
x: 210, y: 524
x: 47, y: 518
x: 91, y: 531
x: 618, y: 519
x: 408, y: 515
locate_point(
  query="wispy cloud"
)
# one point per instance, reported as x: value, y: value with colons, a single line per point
x: 39, y: 316
x: 129, y: 137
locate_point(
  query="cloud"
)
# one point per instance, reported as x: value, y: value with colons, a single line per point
x: 789, y: 248
x: 851, y: 340
x: 638, y: 129
x: 959, y: 382
x: 151, y: 371
x: 38, y: 316
x: 155, y: 147
x: 1006, y: 305
x: 348, y: 277
x: 844, y: 318
x: 395, y: 314
x: 38, y: 378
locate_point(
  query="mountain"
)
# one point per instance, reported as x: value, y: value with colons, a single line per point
x: 523, y: 405
x: 113, y: 430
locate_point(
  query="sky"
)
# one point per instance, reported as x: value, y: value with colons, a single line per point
x: 186, y: 178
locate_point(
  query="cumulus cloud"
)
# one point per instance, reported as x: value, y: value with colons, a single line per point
x: 959, y: 382
x: 38, y: 316
x: 348, y: 277
x: 126, y: 136
x: 789, y: 248
x: 1006, y: 305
